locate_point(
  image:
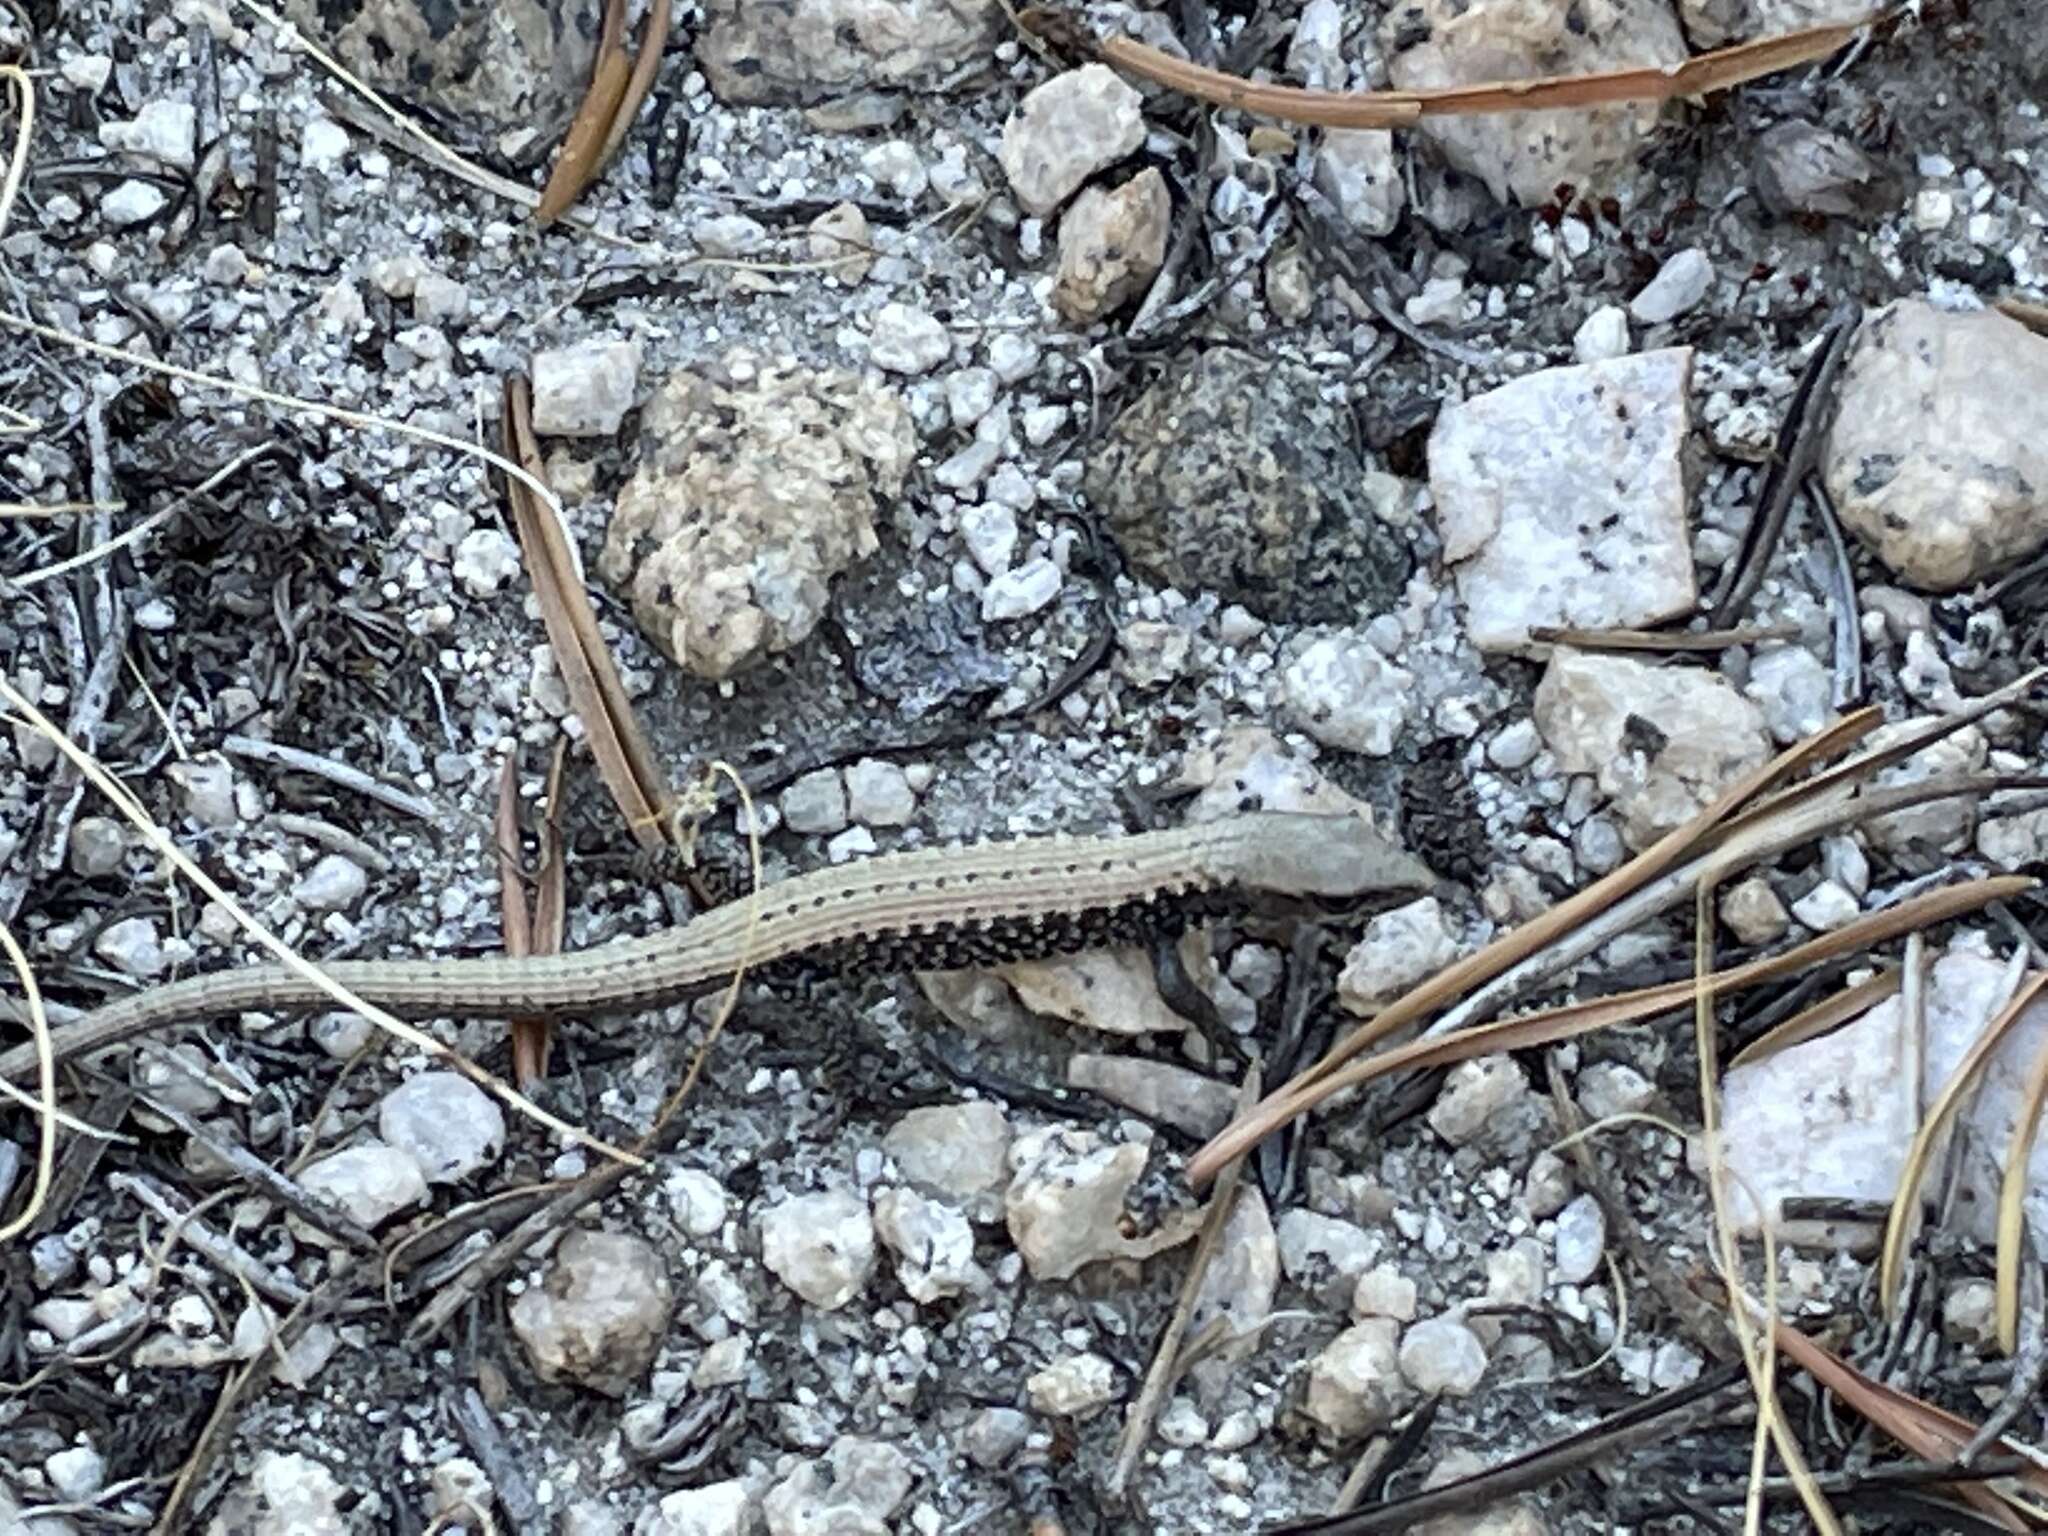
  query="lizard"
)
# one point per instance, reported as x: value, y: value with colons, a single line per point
x: 926, y: 909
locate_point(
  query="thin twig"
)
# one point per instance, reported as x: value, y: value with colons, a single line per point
x: 299, y: 760
x: 1696, y: 76
x: 323, y: 1215
x: 1159, y: 1377
x: 1794, y: 457
x: 222, y: 1251
x: 1848, y: 619
x: 1659, y: 1418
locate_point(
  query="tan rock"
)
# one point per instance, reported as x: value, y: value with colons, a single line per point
x: 1111, y: 246
x: 1938, y: 457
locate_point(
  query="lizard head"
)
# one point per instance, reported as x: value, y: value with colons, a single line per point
x: 1291, y: 854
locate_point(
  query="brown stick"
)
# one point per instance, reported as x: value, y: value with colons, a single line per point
x: 1697, y: 76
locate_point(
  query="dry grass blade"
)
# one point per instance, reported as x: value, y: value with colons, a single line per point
x: 1511, y: 949
x: 19, y: 84
x: 1868, y: 764
x: 1900, y: 1225
x: 1930, y: 1433
x: 646, y: 65
x: 1822, y: 1018
x: 535, y: 929
x: 583, y: 146
x: 624, y: 758
x: 1573, y: 1019
x: 613, y: 28
x: 46, y: 1086
x: 2033, y: 316
x: 2012, y: 1194
x: 1758, y: 1357
x: 1697, y: 76
x: 1159, y: 1377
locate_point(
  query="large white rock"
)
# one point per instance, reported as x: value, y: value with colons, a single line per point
x: 1355, y: 1385
x: 585, y: 390
x: 599, y: 1314
x: 820, y: 1246
x: 1346, y: 694
x: 1938, y: 457
x: 1661, y: 741
x: 1111, y: 245
x: 1400, y: 949
x: 1065, y: 131
x: 1561, y: 498
x: 1832, y: 1118
x: 1357, y: 170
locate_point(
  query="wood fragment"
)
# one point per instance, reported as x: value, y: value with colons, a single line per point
x: 1166, y: 1362
x: 223, y: 1252
x: 1696, y: 76
x: 1663, y: 641
x: 1795, y: 454
x: 646, y: 65
x: 583, y: 147
x: 299, y: 760
x: 625, y: 759
x: 537, y: 928
x: 315, y: 1211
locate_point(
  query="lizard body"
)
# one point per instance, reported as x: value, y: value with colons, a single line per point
x: 930, y: 909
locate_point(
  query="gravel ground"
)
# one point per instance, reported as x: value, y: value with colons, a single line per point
x: 981, y: 533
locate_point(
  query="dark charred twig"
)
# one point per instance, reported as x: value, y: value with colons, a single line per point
x: 962, y: 1066
x: 1399, y: 1452
x: 1848, y: 625
x: 1899, y: 1474
x: 308, y: 1207
x: 1334, y: 243
x: 1658, y: 1418
x: 2029, y: 1369
x: 1159, y: 1378
x: 1796, y: 454
x: 222, y: 1252
x: 505, y: 1468
x: 299, y: 760
x: 82, y: 1157
x: 461, y: 1289
x: 95, y: 630
x: 1161, y: 323
x: 1280, y: 1154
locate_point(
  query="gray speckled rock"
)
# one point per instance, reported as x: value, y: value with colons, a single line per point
x: 1232, y: 474
x: 490, y: 64
x: 798, y: 51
